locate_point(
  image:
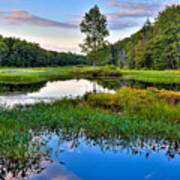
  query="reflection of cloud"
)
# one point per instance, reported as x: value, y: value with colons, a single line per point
x: 18, y: 17
x: 148, y: 176
x: 55, y: 172
x: 69, y: 147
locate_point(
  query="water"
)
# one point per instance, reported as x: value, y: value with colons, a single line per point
x: 11, y: 95
x: 86, y: 159
x: 48, y: 92
x: 76, y: 156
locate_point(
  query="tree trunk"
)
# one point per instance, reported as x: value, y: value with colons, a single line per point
x: 94, y: 65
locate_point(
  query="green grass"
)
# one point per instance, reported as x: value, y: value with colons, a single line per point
x: 152, y: 76
x: 32, y: 75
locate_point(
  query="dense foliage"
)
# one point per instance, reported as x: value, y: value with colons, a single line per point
x: 17, y: 53
x: 94, y: 26
x: 155, y: 46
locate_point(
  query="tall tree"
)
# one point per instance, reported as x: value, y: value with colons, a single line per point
x: 94, y: 26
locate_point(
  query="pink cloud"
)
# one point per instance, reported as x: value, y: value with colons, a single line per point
x: 20, y: 17
x: 135, y: 8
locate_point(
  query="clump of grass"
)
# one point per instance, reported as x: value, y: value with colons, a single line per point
x: 151, y: 103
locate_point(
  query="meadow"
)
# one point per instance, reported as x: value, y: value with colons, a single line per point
x: 32, y: 75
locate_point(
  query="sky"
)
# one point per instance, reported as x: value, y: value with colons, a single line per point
x: 54, y: 24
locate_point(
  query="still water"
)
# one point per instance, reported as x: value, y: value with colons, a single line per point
x: 78, y: 157
x: 49, y: 92
x: 75, y: 156
x: 11, y: 95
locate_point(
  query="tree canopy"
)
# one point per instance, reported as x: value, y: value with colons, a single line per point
x: 94, y: 26
x: 155, y: 46
x: 20, y: 53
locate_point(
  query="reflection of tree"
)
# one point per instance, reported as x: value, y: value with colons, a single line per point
x: 17, y: 168
x: 94, y: 87
x: 139, y: 145
x: 21, y: 88
x: 117, y: 84
x: 116, y: 143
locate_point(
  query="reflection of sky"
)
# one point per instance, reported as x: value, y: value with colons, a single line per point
x: 53, y: 91
x: 55, y: 172
x: 124, y: 18
x: 68, y: 88
x: 90, y: 163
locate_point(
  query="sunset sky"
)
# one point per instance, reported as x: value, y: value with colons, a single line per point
x: 54, y: 24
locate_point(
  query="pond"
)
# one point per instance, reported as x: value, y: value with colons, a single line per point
x: 47, y: 92
x: 74, y: 156
x: 11, y: 95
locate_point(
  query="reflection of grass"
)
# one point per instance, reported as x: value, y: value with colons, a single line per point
x: 29, y: 75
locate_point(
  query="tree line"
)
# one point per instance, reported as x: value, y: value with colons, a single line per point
x: 155, y: 46
x: 20, y: 53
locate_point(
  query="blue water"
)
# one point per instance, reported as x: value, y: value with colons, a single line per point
x: 81, y: 159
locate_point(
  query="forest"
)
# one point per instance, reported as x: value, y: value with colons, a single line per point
x: 155, y: 46
x: 20, y: 53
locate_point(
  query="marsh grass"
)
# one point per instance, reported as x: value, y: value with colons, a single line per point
x: 148, y: 104
x: 127, y: 113
x: 32, y: 75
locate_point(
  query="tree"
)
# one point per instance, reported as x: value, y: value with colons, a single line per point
x: 3, y: 51
x: 94, y: 26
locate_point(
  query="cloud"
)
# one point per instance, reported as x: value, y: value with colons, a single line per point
x: 121, y: 25
x: 132, y: 14
x: 20, y: 17
x: 137, y: 9
x: 132, y: 5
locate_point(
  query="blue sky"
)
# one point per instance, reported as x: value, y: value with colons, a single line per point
x: 54, y: 24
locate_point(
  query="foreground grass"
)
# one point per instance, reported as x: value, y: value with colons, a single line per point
x: 32, y: 75
x: 127, y: 113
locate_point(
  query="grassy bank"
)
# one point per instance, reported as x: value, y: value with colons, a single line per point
x: 32, y: 75
x: 127, y: 113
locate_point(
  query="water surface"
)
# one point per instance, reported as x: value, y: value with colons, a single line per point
x: 76, y: 156
x: 11, y: 95
x: 48, y: 92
